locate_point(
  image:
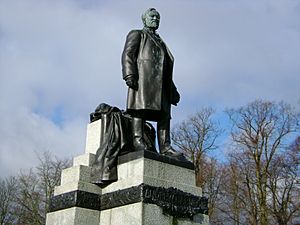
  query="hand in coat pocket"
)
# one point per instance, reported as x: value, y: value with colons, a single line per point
x: 132, y: 83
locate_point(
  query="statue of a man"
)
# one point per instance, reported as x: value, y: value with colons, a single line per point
x: 147, y: 66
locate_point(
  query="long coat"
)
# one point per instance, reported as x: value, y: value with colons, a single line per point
x: 150, y: 62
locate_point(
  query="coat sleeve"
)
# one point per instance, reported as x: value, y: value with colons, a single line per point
x: 175, y: 96
x: 130, y: 54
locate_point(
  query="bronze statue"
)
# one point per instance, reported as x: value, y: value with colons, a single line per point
x: 147, y: 66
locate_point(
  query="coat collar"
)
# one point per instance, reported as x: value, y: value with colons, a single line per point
x: 151, y: 35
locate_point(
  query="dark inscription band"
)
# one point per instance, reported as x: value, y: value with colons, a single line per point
x: 172, y: 200
x: 75, y: 199
x: 175, y: 202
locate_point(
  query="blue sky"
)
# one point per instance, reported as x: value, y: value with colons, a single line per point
x: 60, y: 58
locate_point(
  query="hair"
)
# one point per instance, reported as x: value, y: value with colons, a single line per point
x: 146, y: 12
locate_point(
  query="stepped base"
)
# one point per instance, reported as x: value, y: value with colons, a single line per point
x: 151, y: 189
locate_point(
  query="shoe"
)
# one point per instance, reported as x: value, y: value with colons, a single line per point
x: 164, y: 140
x: 138, y: 142
x: 169, y: 151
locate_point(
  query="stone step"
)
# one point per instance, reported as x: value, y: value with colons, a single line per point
x: 74, y: 186
x: 75, y: 174
x: 86, y: 159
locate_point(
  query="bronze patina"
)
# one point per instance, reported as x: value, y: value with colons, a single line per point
x: 147, y: 67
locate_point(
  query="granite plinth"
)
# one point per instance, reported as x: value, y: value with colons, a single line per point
x: 151, y: 189
x: 153, y: 169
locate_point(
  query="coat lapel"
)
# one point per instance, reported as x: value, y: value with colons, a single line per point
x: 158, y: 44
x: 151, y: 37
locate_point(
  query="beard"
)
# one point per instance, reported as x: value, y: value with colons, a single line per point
x: 152, y: 24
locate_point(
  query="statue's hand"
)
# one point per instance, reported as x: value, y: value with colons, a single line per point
x: 175, y: 98
x: 132, y: 83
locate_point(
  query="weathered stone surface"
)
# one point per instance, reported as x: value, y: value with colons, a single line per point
x: 155, y: 173
x: 73, y: 216
x: 93, y: 137
x: 124, y: 215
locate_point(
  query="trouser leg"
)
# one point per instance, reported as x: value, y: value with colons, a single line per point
x: 164, y: 138
x: 138, y: 134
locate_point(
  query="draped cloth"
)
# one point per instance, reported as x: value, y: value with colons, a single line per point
x: 115, y: 140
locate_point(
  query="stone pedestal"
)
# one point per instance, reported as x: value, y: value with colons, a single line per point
x: 151, y: 190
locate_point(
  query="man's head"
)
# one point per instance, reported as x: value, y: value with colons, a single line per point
x: 151, y: 18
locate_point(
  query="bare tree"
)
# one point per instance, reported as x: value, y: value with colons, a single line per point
x: 239, y: 206
x: 196, y: 136
x: 284, y: 185
x: 36, y: 187
x: 260, y: 131
x: 231, y: 205
x: 214, y: 177
x: 29, y: 200
x: 49, y: 173
x: 7, y: 193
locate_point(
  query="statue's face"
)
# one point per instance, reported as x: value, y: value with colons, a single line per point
x: 152, y: 19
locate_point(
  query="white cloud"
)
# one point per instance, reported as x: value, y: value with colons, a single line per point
x: 59, y: 59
